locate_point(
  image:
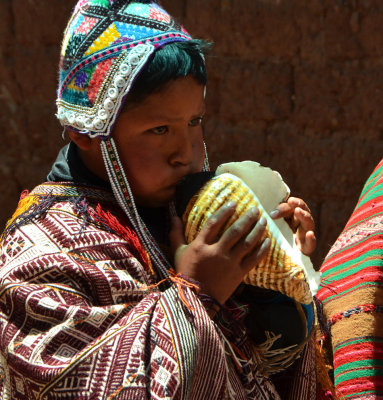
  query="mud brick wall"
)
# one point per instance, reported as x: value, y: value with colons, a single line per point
x: 296, y: 85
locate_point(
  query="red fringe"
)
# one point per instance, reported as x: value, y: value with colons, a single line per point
x: 125, y: 232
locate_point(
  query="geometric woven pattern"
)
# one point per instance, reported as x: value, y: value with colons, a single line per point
x: 81, y: 318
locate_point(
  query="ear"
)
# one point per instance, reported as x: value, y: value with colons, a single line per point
x: 84, y: 142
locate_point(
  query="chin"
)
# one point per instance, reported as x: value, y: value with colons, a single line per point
x: 158, y: 199
x: 154, y: 203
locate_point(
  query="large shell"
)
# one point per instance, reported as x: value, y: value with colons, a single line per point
x: 270, y: 189
x: 282, y: 270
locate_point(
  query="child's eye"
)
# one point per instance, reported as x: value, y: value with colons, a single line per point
x: 159, y: 130
x: 196, y: 121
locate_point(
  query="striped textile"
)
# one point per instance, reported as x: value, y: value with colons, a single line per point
x: 351, y: 293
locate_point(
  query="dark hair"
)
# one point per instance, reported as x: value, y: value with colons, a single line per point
x: 172, y: 61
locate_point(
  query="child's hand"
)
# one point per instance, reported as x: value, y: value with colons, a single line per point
x: 298, y: 216
x: 220, y: 263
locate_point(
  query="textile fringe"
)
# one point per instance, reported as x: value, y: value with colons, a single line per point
x: 181, y: 282
x: 242, y: 363
x: 237, y: 355
x: 274, y: 361
x: 326, y: 388
x: 81, y: 207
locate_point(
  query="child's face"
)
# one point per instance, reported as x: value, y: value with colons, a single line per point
x: 160, y: 140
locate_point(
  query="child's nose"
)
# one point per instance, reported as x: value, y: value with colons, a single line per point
x: 183, y: 149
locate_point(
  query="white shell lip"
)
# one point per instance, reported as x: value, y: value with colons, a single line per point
x: 267, y: 184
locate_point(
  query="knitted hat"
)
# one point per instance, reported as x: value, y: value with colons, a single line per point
x: 105, y: 46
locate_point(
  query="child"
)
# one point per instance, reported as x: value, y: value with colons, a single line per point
x: 89, y: 306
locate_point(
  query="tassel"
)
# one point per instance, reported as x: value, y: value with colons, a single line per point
x: 325, y: 387
x: 182, y: 281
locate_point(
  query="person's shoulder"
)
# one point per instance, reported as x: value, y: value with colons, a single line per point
x: 73, y: 234
x: 58, y: 207
x: 51, y: 196
x: 57, y: 218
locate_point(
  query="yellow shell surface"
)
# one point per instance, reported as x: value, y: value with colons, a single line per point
x: 280, y: 270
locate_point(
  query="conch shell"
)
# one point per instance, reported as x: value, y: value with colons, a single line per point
x: 285, y: 268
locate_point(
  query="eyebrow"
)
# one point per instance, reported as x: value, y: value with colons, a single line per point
x: 165, y: 119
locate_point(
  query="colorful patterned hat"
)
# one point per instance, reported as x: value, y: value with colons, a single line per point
x: 105, y: 46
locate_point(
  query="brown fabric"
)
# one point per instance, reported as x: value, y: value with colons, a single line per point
x: 346, y: 302
x: 357, y: 325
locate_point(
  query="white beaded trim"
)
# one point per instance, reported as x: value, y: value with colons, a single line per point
x: 131, y: 211
x: 98, y: 120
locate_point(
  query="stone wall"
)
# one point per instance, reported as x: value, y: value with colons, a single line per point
x: 296, y: 85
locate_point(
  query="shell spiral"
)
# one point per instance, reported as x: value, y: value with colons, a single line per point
x: 280, y: 270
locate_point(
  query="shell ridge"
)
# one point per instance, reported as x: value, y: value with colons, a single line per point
x: 281, y: 269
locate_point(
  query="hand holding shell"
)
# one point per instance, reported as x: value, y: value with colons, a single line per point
x: 283, y: 269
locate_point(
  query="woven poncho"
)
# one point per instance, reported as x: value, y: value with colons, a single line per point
x: 352, y: 296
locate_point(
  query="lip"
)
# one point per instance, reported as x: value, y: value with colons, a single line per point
x: 176, y: 182
x: 172, y: 187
